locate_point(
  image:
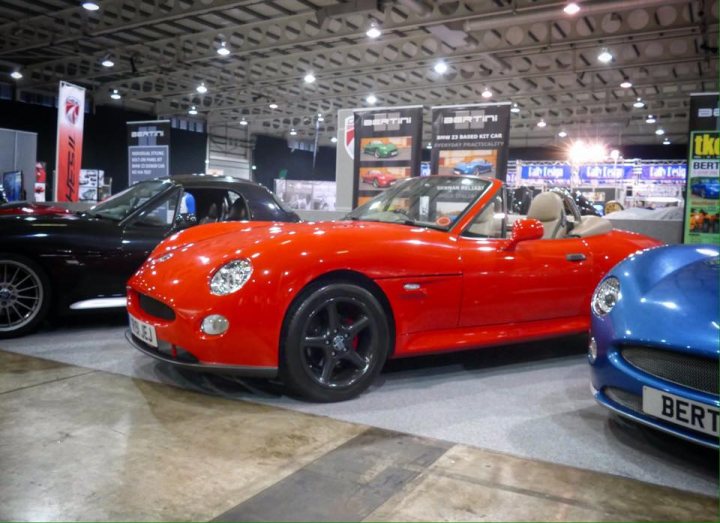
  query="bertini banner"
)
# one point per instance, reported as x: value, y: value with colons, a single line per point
x: 148, y: 150
x: 70, y: 121
x: 471, y: 139
x: 388, y: 146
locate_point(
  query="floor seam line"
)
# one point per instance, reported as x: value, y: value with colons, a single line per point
x: 49, y: 382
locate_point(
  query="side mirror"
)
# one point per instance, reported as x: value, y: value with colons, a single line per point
x: 524, y: 230
x: 185, y: 220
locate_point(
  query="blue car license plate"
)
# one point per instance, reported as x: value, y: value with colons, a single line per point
x: 681, y: 411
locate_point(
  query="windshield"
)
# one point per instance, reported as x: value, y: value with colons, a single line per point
x: 126, y: 202
x: 431, y: 201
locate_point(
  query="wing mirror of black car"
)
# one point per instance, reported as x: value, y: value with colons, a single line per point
x: 185, y: 220
x: 524, y: 230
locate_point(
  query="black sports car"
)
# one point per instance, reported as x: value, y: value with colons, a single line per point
x: 81, y: 261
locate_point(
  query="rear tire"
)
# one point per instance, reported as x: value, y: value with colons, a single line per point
x: 336, y: 342
x: 24, y: 296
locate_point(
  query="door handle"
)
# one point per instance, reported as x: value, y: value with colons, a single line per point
x: 575, y: 257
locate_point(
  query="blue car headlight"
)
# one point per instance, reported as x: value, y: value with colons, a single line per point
x: 606, y: 295
x: 230, y: 277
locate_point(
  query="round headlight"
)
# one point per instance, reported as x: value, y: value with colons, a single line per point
x: 606, y: 296
x: 230, y: 277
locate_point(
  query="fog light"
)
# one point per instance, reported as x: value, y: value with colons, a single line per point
x: 215, y: 324
x: 592, y: 350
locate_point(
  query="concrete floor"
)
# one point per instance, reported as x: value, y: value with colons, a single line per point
x: 83, y: 444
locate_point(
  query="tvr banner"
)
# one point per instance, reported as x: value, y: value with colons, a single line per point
x: 388, y: 147
x: 471, y: 139
x: 148, y: 150
x: 70, y: 121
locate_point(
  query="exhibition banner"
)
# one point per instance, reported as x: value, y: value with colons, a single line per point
x: 604, y: 173
x: 471, y: 139
x: 70, y: 120
x: 388, y: 146
x: 674, y: 172
x: 702, y: 212
x: 148, y: 150
x: 544, y: 172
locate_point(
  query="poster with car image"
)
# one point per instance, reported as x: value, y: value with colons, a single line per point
x: 702, y: 200
x: 471, y: 140
x: 387, y: 149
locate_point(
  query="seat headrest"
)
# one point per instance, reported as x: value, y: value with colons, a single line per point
x: 546, y: 207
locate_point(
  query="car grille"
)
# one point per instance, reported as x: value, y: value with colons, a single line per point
x: 624, y: 398
x: 694, y: 372
x: 156, y: 308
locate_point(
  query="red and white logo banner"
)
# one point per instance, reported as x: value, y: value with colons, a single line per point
x: 71, y: 116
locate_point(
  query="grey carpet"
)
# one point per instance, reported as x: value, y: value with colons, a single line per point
x: 531, y: 401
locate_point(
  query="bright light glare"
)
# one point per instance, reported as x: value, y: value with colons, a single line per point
x: 373, y: 32
x: 571, y: 9
x: 309, y: 78
x: 605, y: 56
x: 487, y: 93
x: 333, y: 139
x: 626, y: 84
x: 201, y: 88
x: 371, y: 99
x: 441, y: 67
x: 580, y: 151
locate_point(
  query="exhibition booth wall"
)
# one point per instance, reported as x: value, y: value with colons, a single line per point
x: 105, y: 139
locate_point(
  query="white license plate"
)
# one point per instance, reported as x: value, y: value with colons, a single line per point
x: 144, y: 331
x: 681, y: 411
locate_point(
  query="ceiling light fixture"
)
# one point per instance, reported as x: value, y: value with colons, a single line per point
x: 309, y: 78
x: 223, y: 50
x: 660, y: 131
x: 638, y: 104
x: 115, y: 95
x: 487, y: 93
x: 193, y: 110
x: 650, y: 119
x: 429, y: 145
x: 373, y: 31
x: 615, y: 154
x: 333, y: 139
x: 571, y: 9
x: 273, y: 105
x: 371, y: 99
x: 441, y: 67
x: 605, y: 56
x: 107, y: 61
x: 666, y: 141
x: 16, y: 75
x: 243, y: 121
x: 562, y: 134
x: 91, y: 6
x: 626, y: 84
x: 320, y: 118
x: 515, y: 108
x: 201, y: 88
x: 541, y: 123
x: 293, y: 132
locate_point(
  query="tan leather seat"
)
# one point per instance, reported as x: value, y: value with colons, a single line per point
x: 483, y: 224
x: 592, y: 225
x: 548, y: 208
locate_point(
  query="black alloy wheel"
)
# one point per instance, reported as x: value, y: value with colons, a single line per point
x: 337, y: 342
x: 24, y: 296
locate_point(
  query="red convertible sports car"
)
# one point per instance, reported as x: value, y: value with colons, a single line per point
x: 378, y: 178
x: 430, y: 265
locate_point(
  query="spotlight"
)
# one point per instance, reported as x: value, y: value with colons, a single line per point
x: 541, y: 123
x: 571, y: 9
x: 666, y: 141
x: 333, y: 139
x: 273, y: 105
x: 660, y: 131
x: 373, y: 32
x: 487, y: 93
x: 223, y: 50
x: 309, y: 78
x: 605, y: 56
x: 192, y: 111
x: 562, y: 134
x: 243, y: 121
x: 371, y: 99
x: 615, y: 154
x: 16, y: 75
x: 626, y: 84
x: 638, y: 104
x: 293, y: 132
x: 429, y: 145
x: 441, y: 67
x: 515, y: 108
x: 320, y: 118
x: 91, y: 6
x: 650, y: 119
x: 201, y: 88
x: 115, y: 95
x: 107, y: 61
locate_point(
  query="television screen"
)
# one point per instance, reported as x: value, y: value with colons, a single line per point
x: 12, y: 185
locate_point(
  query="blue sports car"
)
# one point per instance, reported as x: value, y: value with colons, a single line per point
x: 655, y: 340
x: 477, y: 166
x: 706, y: 187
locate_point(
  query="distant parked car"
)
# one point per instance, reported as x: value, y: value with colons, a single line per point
x: 378, y: 178
x: 477, y: 166
x: 706, y: 187
x: 381, y: 149
x: 81, y: 261
x: 654, y: 341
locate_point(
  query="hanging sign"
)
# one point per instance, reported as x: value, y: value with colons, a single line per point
x: 70, y: 121
x: 148, y: 150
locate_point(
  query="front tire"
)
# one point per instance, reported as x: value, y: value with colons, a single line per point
x: 336, y: 342
x: 24, y: 296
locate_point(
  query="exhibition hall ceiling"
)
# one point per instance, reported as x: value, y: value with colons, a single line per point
x: 254, y: 58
